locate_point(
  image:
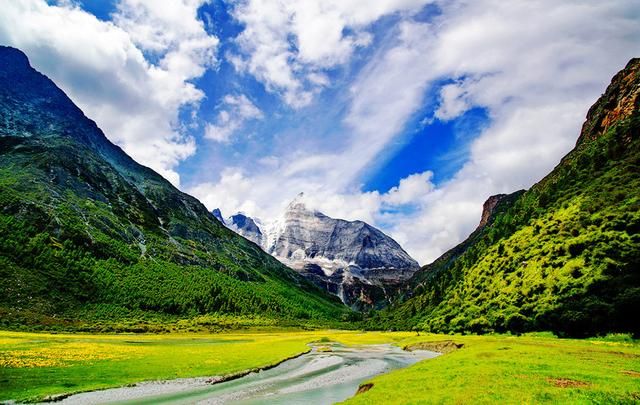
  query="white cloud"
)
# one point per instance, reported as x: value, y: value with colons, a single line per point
x: 388, y: 90
x: 453, y: 101
x: 284, y: 39
x: 236, y: 192
x: 237, y: 110
x: 411, y: 190
x: 535, y: 67
x: 231, y: 194
x: 102, y: 67
x: 245, y: 108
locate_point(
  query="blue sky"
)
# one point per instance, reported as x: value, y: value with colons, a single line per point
x: 437, y: 146
x: 406, y: 114
x: 419, y: 146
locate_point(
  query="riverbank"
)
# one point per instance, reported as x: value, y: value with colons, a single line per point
x: 485, y: 369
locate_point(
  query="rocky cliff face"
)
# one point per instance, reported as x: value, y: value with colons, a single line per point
x: 350, y: 259
x: 488, y: 207
x: 218, y: 215
x: 619, y: 102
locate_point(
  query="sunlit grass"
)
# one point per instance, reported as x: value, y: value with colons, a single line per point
x: 66, y: 354
x: 488, y: 369
x: 516, y: 370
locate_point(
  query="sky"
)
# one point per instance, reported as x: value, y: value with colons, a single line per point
x: 406, y: 114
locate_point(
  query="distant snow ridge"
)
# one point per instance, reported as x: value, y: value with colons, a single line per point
x: 350, y: 259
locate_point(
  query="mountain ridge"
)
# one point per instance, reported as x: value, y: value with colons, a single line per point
x: 88, y: 232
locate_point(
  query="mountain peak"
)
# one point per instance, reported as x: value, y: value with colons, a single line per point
x: 297, y: 204
x: 570, y: 229
x: 351, y: 259
x: 33, y: 106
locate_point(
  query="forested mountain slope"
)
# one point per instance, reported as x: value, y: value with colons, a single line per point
x: 86, y: 232
x: 562, y: 256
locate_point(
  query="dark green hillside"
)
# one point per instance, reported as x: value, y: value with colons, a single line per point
x: 87, y: 233
x: 562, y: 256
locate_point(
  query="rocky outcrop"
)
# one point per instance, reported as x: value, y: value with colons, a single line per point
x: 443, y: 346
x: 488, y: 208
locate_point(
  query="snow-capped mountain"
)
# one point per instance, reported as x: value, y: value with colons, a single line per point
x: 246, y: 227
x: 351, y: 259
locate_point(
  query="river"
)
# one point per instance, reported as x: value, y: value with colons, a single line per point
x: 317, y: 377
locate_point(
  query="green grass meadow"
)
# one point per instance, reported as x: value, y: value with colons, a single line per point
x: 488, y: 369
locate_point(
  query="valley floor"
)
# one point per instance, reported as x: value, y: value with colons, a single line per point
x: 487, y: 369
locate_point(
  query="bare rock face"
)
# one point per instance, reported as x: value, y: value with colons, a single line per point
x: 310, y: 236
x: 350, y: 259
x: 488, y: 207
x: 246, y: 227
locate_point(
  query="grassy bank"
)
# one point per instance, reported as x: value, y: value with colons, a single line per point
x: 516, y: 370
x: 486, y: 369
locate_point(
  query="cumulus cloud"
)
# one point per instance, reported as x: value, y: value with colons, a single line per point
x: 172, y: 31
x: 231, y: 194
x: 237, y: 110
x: 281, y: 39
x: 411, y: 190
x: 535, y: 67
x: 103, y: 67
